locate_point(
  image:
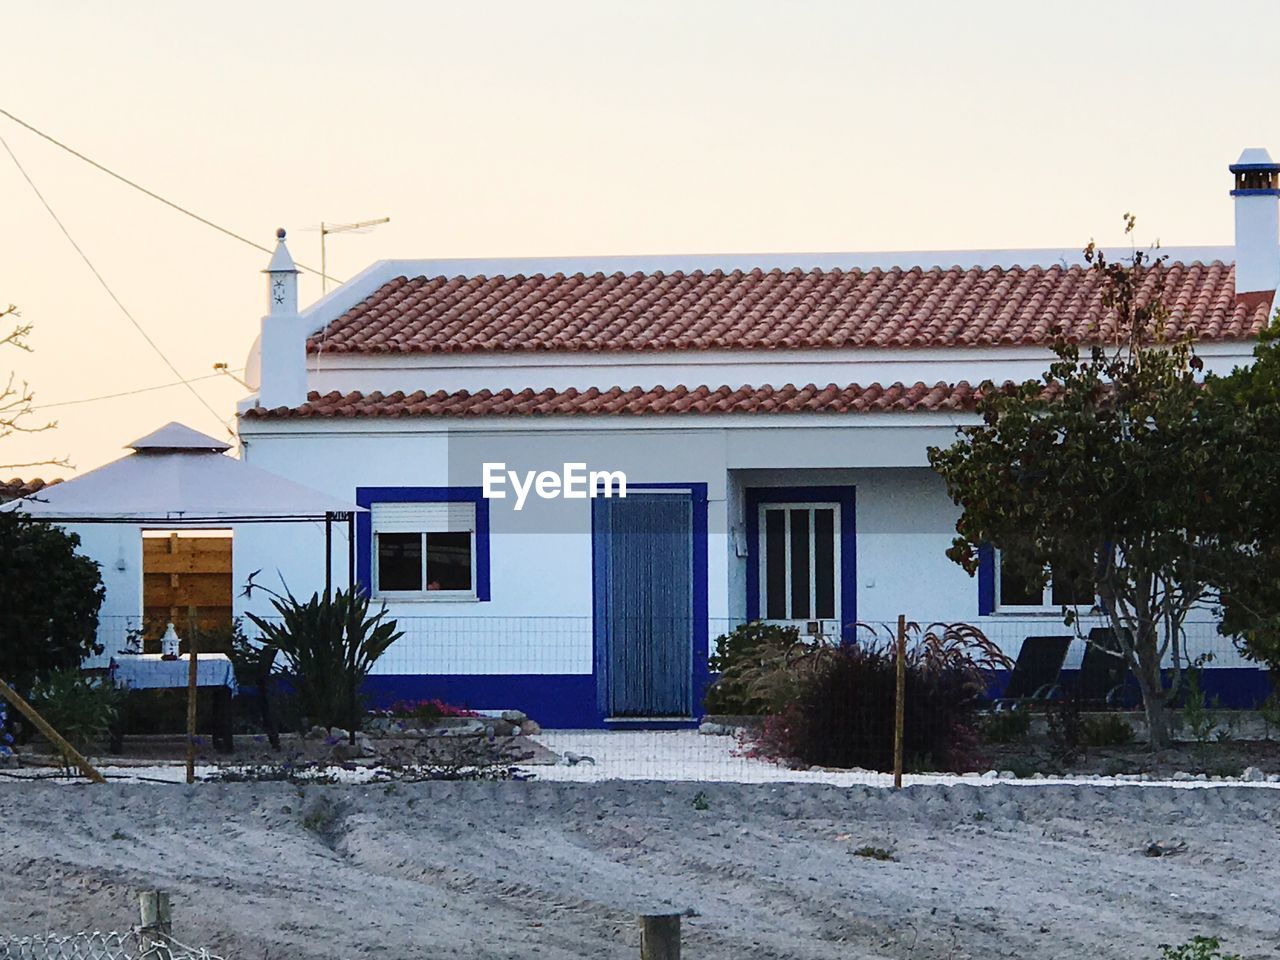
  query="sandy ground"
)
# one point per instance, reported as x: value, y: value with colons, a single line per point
x: 556, y: 870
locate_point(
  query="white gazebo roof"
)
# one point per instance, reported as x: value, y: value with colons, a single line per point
x: 177, y: 475
x: 176, y: 436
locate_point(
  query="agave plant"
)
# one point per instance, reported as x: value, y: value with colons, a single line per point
x: 328, y: 644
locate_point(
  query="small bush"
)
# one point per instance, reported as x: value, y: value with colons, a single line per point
x: 1008, y: 726
x: 761, y: 666
x: 843, y: 713
x: 1106, y: 731
x: 1066, y: 731
x: 433, y: 709
x: 79, y: 707
x: 1198, y: 948
x: 875, y: 853
x: 328, y: 645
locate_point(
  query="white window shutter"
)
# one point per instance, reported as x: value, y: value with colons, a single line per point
x: 439, y: 517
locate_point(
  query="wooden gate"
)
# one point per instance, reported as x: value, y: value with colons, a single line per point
x: 182, y: 572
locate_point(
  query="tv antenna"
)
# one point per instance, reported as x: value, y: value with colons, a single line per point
x: 327, y: 228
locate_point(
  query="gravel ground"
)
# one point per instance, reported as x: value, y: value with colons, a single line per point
x: 499, y: 870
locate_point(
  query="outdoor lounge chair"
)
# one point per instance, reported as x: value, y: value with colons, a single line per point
x: 1103, y: 671
x: 1035, y: 673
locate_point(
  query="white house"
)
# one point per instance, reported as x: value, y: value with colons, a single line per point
x: 771, y: 415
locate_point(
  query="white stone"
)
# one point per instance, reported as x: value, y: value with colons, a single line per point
x: 1253, y: 775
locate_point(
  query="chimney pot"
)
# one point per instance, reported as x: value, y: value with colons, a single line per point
x: 282, y: 380
x: 1257, y: 200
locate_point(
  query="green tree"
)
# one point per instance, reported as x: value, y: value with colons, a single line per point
x: 1249, y: 576
x: 1116, y: 469
x: 49, y: 600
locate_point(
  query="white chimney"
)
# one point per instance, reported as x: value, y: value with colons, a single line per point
x: 282, y: 381
x: 1257, y: 189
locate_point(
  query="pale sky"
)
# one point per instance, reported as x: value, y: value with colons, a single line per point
x: 571, y: 128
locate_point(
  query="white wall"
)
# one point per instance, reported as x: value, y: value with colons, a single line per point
x: 114, y: 546
x: 541, y: 574
x: 539, y: 618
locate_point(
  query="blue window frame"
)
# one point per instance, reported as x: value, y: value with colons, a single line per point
x: 367, y: 497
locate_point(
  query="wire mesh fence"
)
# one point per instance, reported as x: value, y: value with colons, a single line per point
x: 638, y: 697
x: 134, y: 945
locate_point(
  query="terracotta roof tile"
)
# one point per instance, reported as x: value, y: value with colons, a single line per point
x: 15, y: 488
x: 773, y: 310
x: 658, y: 400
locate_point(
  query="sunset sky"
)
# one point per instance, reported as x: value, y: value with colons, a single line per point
x: 569, y: 128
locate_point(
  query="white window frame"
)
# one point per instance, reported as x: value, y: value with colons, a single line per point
x: 1046, y: 605
x: 424, y: 594
x: 763, y: 579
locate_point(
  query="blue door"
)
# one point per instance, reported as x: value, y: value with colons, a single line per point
x: 644, y: 604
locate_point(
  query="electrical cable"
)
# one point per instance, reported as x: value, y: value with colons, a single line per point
x: 150, y: 193
x: 111, y: 293
x: 130, y: 393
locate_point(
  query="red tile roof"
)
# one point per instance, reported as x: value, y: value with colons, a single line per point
x: 15, y: 488
x: 659, y: 400
x: 773, y: 310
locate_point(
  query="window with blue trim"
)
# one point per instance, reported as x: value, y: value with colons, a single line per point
x: 424, y: 550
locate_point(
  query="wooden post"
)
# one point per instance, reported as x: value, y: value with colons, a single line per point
x: 351, y: 595
x: 900, y: 702
x: 50, y: 734
x: 156, y: 911
x: 157, y: 924
x: 193, y: 668
x: 660, y: 937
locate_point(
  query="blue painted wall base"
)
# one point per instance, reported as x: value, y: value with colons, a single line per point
x: 563, y: 701
x: 1231, y: 688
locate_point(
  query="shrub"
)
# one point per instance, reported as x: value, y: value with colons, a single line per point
x: 1109, y: 730
x: 1007, y: 726
x: 329, y: 644
x: 761, y: 666
x: 79, y: 707
x: 433, y: 709
x: 1066, y: 731
x: 49, y: 600
x: 1198, y: 716
x: 843, y: 712
x: 1197, y: 948
x: 875, y: 853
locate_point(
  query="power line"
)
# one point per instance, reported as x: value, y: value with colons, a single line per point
x: 150, y: 193
x: 130, y: 393
x: 111, y: 293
